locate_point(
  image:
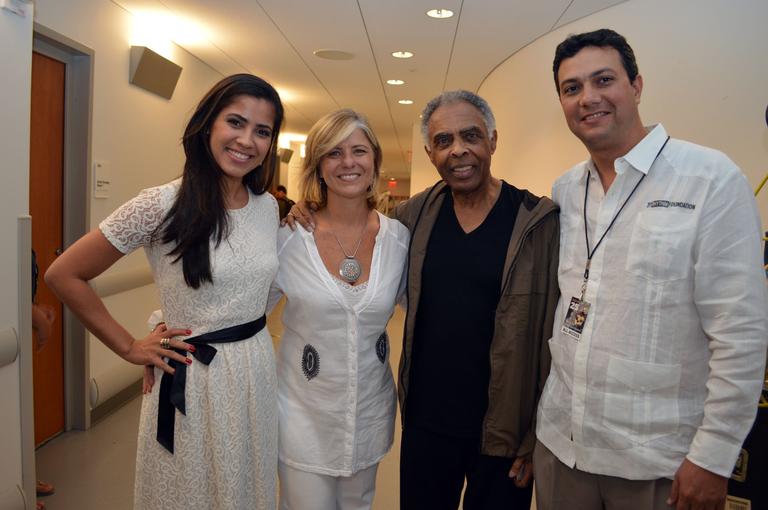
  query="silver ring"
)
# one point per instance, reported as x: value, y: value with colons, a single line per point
x: 290, y: 214
x: 165, y: 343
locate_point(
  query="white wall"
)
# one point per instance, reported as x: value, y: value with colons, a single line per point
x: 705, y: 79
x: 423, y: 172
x: 402, y: 187
x: 290, y: 173
x: 137, y: 133
x: 15, y: 71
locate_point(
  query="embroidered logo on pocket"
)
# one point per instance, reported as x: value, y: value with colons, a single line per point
x: 667, y: 203
x: 310, y: 362
x: 382, y: 344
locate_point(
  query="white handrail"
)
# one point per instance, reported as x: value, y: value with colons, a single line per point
x: 9, y: 346
x: 122, y: 281
x: 13, y: 497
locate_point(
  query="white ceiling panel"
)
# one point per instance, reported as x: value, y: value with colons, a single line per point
x: 581, y: 8
x: 275, y: 39
x: 491, y: 31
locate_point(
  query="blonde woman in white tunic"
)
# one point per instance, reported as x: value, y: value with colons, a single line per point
x: 208, y: 434
x: 336, y: 394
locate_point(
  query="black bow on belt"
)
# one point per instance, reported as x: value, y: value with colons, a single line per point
x: 172, y: 385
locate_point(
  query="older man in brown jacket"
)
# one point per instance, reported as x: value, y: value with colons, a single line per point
x: 482, y: 292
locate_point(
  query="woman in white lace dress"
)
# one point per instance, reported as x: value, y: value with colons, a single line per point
x: 208, y: 434
x: 336, y: 395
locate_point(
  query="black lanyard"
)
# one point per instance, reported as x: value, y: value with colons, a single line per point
x: 591, y: 253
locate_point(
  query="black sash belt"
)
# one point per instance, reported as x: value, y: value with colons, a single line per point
x: 172, y: 385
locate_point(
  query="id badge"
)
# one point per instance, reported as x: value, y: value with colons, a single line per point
x: 576, y: 317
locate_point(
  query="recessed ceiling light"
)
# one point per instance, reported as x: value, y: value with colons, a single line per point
x: 395, y: 82
x: 333, y: 54
x: 402, y: 54
x: 440, y: 13
x: 406, y: 101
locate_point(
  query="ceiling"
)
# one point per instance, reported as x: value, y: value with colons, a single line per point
x: 275, y: 39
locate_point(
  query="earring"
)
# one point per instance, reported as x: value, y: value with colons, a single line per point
x: 322, y: 181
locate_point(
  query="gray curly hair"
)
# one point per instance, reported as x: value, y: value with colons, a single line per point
x: 453, y: 96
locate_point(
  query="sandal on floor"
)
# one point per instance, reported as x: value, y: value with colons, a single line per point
x: 44, y: 488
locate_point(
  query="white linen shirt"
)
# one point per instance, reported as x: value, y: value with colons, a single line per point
x: 670, y: 363
x: 336, y: 404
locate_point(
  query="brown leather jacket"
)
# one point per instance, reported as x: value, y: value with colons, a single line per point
x: 519, y: 352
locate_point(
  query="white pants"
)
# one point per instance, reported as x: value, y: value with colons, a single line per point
x: 301, y: 490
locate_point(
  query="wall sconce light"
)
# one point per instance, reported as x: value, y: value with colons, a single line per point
x: 153, y: 72
x: 284, y: 155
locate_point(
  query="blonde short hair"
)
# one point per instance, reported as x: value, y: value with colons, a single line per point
x: 325, y: 135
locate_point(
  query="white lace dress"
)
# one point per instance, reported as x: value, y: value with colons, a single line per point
x: 226, y: 445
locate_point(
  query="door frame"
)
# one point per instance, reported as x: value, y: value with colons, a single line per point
x: 75, y: 203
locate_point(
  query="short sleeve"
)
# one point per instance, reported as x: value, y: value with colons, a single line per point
x: 284, y: 234
x: 131, y: 226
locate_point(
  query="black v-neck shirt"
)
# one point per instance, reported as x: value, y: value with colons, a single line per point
x: 460, y: 289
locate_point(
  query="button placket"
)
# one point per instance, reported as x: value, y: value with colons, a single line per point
x: 351, y: 386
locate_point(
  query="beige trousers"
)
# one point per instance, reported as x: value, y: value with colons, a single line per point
x: 559, y: 487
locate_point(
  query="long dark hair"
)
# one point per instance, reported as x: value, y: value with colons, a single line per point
x: 199, y: 213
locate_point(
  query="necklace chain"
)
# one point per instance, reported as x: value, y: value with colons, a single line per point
x: 354, y: 253
x: 349, y: 268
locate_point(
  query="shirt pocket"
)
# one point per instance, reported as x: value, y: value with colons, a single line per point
x: 571, y: 227
x: 661, y: 245
x: 641, y: 399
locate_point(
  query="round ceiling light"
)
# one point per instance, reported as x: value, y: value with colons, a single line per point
x: 440, y: 13
x: 406, y: 101
x: 402, y: 54
x: 333, y: 54
x: 395, y: 82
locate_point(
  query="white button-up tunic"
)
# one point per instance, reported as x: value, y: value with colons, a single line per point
x: 670, y: 362
x: 336, y: 393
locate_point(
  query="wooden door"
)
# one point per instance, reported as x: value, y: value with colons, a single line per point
x: 45, y: 207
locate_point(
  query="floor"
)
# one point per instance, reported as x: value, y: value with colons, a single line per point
x: 94, y: 469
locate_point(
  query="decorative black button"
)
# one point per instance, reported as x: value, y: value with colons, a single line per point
x: 382, y: 346
x: 310, y: 362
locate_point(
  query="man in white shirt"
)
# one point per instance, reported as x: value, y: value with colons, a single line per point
x: 658, y: 348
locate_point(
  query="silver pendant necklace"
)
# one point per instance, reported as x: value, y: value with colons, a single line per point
x: 349, y: 267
